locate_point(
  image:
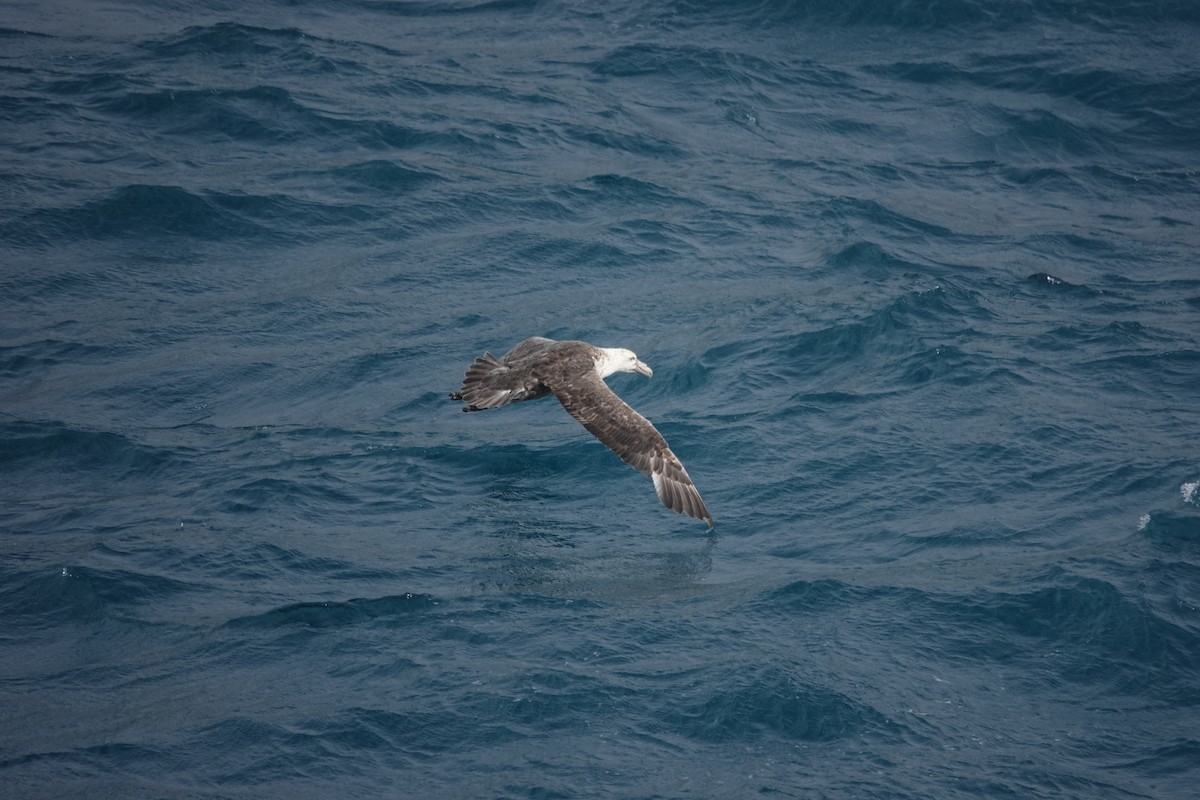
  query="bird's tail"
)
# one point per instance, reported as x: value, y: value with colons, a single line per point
x: 490, y: 384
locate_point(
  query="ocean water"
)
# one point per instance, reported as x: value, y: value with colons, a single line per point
x: 920, y: 284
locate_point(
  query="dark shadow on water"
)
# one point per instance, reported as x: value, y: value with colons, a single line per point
x: 587, y: 564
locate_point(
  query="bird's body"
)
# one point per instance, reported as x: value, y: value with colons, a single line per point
x: 574, y: 372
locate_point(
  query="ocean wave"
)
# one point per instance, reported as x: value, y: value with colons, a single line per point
x: 82, y: 594
x: 756, y: 701
x: 113, y: 454
x: 929, y: 15
x: 393, y: 609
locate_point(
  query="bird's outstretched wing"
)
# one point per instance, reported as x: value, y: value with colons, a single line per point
x: 631, y: 436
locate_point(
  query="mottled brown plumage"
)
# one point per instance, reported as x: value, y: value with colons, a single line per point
x: 574, y: 372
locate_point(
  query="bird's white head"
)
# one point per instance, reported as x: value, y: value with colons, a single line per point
x: 618, y: 359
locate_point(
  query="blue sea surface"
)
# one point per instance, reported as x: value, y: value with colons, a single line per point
x: 920, y: 285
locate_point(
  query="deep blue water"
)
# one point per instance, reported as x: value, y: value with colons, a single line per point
x: 920, y: 283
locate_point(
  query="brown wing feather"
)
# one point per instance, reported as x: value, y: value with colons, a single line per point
x: 631, y: 436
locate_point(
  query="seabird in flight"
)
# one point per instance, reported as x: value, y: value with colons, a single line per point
x: 574, y: 372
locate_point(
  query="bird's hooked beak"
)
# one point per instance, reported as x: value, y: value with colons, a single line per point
x: 642, y: 368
